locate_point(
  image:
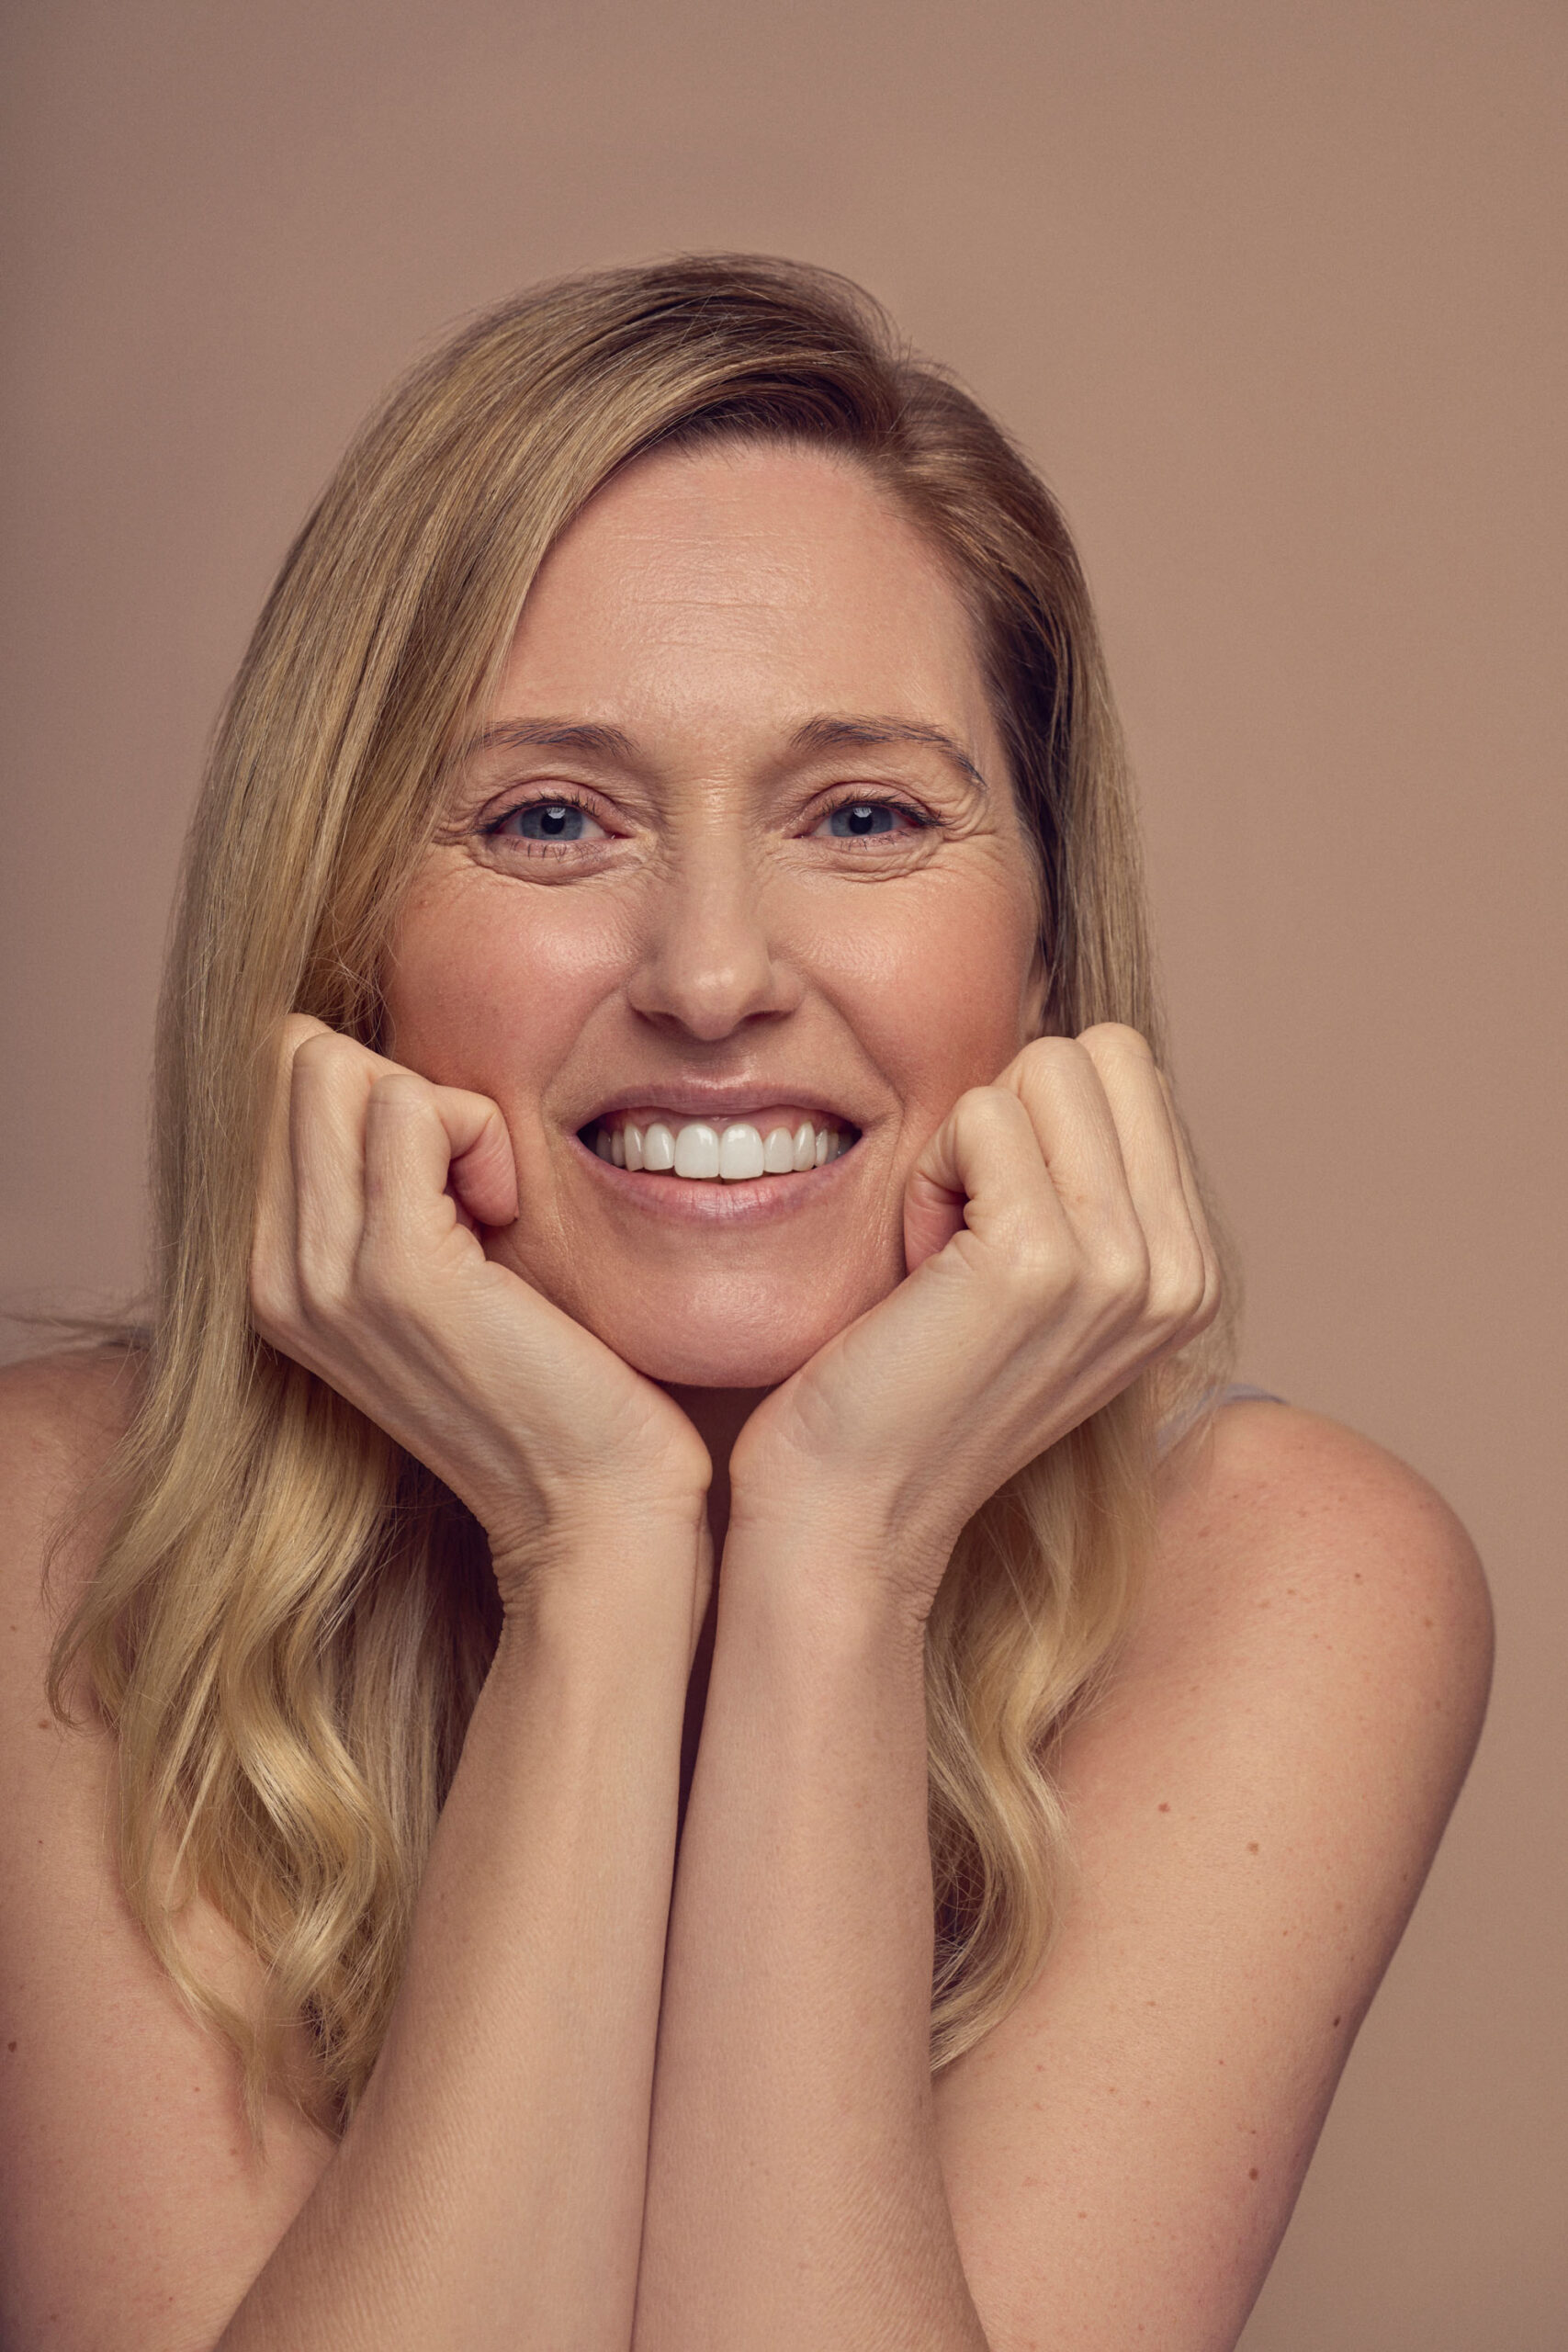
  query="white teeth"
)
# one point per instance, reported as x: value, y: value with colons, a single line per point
x: 697, y: 1150
x: 738, y: 1155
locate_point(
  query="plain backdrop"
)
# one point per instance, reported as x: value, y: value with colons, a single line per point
x: 1272, y: 294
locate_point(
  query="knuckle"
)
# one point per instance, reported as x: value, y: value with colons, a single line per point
x: 316, y: 1286
x: 300, y: 1028
x: 328, y: 1059
x: 1121, y: 1265
x: 401, y: 1094
x: 382, y: 1273
x: 1039, y: 1276
x: 1179, y: 1293
x: 271, y: 1302
x: 321, y: 1050
x: 278, y: 1310
x: 375, y: 1275
x: 983, y: 1104
x: 401, y: 1086
x: 1116, y: 1037
x: 1044, y: 1054
x: 1210, y: 1298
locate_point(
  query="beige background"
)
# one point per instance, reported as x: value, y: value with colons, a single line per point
x: 1273, y: 293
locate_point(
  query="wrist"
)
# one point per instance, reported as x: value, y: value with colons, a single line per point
x: 842, y: 1579
x: 897, y: 1532
x: 601, y: 1565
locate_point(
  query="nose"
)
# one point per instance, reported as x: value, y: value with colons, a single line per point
x: 709, y: 959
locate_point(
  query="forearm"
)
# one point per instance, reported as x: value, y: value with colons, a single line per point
x: 794, y: 2196
x: 490, y: 2189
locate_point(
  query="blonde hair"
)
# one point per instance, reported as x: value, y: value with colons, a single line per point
x: 292, y: 1618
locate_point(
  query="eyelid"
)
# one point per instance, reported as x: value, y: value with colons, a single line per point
x: 574, y: 796
x: 850, y: 797
x: 919, y: 818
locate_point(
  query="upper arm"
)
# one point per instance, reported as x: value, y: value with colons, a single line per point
x: 133, y: 2211
x: 1257, y: 1801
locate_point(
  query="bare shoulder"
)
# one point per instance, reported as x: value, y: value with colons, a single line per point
x: 1293, y: 1547
x: 60, y: 1419
x: 124, y: 2161
x: 1255, y: 1800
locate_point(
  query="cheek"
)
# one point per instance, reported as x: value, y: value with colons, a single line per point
x: 478, y: 998
x: 937, y: 997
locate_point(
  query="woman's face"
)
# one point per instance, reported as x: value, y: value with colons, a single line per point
x: 737, y: 847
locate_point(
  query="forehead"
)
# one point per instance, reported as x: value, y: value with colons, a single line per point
x: 774, y: 575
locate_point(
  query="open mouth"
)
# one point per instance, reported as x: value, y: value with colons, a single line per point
x: 731, y: 1151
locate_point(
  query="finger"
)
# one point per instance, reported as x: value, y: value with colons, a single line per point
x: 273, y: 1241
x: 1209, y: 1304
x: 333, y: 1078
x: 982, y: 1172
x: 278, y: 1179
x: 1142, y: 1107
x: 1060, y: 1087
x: 426, y: 1148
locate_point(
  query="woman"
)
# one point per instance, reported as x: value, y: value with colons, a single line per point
x: 713, y: 1737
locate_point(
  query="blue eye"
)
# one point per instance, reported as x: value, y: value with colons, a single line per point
x: 546, y: 822
x: 550, y: 820
x: 857, y: 819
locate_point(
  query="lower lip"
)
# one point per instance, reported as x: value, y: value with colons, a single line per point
x: 709, y: 1200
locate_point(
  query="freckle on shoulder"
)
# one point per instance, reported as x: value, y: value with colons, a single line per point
x: 1277, y: 1505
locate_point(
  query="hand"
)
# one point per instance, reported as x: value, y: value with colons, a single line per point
x: 368, y: 1268
x: 1056, y: 1247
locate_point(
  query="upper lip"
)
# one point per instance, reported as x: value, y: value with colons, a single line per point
x: 696, y: 1098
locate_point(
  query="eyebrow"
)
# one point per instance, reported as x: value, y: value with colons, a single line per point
x: 823, y: 734
x: 840, y: 734
x: 550, y: 734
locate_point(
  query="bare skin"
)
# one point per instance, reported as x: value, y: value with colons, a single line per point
x: 686, y: 2103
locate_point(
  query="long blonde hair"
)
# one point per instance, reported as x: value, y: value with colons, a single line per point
x: 289, y: 1625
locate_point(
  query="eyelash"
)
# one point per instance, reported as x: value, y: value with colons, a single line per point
x: 491, y: 829
x: 920, y: 819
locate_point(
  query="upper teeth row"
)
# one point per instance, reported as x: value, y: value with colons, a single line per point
x: 732, y: 1153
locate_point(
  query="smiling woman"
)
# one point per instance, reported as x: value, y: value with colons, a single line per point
x: 714, y: 1739
x: 728, y: 833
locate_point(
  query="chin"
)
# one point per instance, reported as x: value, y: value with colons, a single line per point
x: 733, y: 1350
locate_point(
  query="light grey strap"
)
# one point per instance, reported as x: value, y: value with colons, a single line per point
x: 1240, y: 1392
